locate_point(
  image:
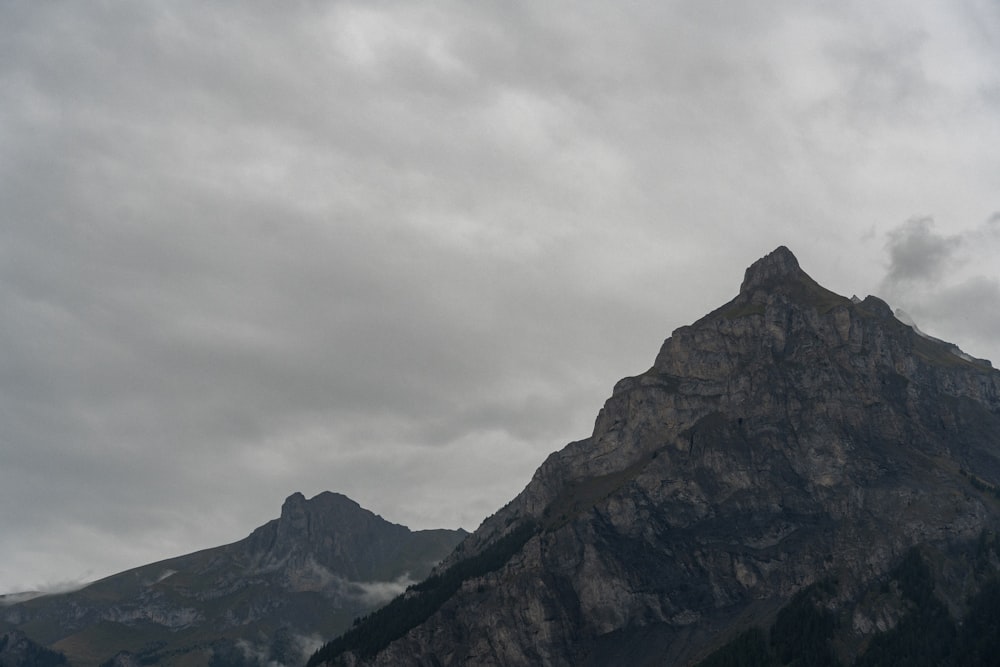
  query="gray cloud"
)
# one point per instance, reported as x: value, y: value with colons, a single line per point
x: 404, y: 251
x: 971, y: 306
x: 917, y: 253
x: 948, y: 283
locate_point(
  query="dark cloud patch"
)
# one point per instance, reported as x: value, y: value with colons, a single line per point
x: 947, y: 282
x: 917, y: 253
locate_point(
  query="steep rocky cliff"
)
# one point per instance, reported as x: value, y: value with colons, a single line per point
x: 263, y: 600
x: 791, y: 437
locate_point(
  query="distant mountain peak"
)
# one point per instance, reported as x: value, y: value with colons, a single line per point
x: 778, y: 264
x: 325, y: 561
x: 297, y: 503
x: 293, y: 505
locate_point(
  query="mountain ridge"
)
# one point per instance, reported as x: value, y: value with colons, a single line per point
x: 306, y: 574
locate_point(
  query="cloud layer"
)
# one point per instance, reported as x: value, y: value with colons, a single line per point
x: 404, y: 251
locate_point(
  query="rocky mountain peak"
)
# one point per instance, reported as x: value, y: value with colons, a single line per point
x: 293, y: 502
x: 329, y: 529
x: 790, y: 438
x: 776, y: 265
x: 293, y: 510
x: 296, y: 508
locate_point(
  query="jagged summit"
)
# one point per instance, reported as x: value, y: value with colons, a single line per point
x: 778, y: 264
x: 326, y: 501
x: 772, y: 280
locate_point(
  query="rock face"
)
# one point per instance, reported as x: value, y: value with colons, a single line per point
x: 267, y: 598
x: 791, y: 436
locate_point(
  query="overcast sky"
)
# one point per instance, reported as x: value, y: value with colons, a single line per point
x: 404, y: 250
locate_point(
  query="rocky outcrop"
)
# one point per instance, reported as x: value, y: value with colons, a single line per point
x: 306, y: 574
x: 791, y: 436
x: 330, y: 535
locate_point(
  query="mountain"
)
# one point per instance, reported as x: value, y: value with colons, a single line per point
x: 799, y: 478
x: 268, y: 597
